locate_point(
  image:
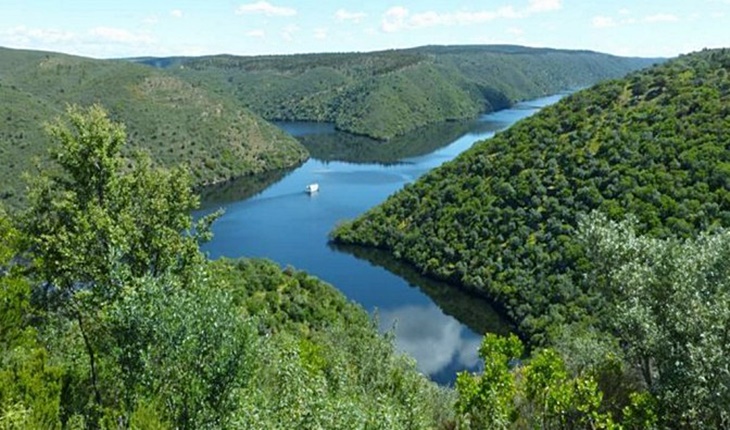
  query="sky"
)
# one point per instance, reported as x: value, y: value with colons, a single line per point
x: 132, y: 28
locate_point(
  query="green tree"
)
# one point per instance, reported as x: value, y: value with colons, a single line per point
x: 104, y: 221
x: 105, y: 218
x: 539, y: 394
x: 557, y: 400
x: 487, y: 400
x: 671, y: 311
x: 185, y: 350
x: 29, y: 384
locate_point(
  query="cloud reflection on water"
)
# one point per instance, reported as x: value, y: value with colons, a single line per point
x: 434, y: 339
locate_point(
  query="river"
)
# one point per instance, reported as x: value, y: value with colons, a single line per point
x: 272, y: 217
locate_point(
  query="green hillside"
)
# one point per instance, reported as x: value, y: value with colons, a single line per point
x: 600, y: 225
x: 176, y: 121
x: 501, y: 218
x: 388, y: 93
x: 111, y: 317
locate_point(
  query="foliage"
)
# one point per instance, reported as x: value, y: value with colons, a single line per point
x: 501, y: 218
x: 322, y: 363
x: 93, y: 231
x: 286, y: 300
x: 93, y: 227
x: 539, y: 394
x: 386, y: 94
x: 132, y: 327
x: 175, y: 120
x: 670, y: 308
x: 640, y: 308
x: 487, y: 400
x: 29, y: 383
x: 340, y: 379
x: 187, y: 350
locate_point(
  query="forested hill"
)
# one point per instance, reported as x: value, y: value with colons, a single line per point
x: 388, y: 93
x: 502, y: 217
x: 178, y: 122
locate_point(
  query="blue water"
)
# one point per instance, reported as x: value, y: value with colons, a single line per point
x: 289, y: 226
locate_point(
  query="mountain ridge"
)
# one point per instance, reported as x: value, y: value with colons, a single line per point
x: 177, y: 121
x: 383, y: 94
x: 501, y: 218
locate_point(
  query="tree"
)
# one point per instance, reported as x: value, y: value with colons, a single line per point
x: 670, y: 302
x: 103, y: 219
x: 487, y: 400
x: 103, y: 222
x: 29, y: 383
x: 538, y: 394
x: 186, y: 351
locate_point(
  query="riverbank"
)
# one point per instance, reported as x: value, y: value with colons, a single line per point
x: 284, y: 224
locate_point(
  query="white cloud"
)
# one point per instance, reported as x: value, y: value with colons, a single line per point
x: 434, y: 339
x: 98, y: 42
x: 151, y: 20
x: 624, y: 11
x: 320, y: 33
x: 661, y: 17
x: 344, y: 15
x: 287, y: 33
x: 394, y: 19
x: 516, y: 31
x: 31, y: 37
x: 177, y: 13
x: 544, y: 5
x: 468, y: 352
x: 256, y: 33
x: 119, y: 35
x: 399, y: 18
x: 603, y: 22
x: 265, y: 8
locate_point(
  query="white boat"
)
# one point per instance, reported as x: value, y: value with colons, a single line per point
x: 312, y: 188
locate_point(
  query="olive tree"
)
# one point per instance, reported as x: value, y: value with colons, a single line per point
x: 669, y: 304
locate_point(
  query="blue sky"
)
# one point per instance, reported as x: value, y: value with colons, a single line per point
x: 105, y: 29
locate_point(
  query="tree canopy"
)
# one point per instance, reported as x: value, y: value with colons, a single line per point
x: 389, y: 93
x: 112, y: 318
x: 599, y: 226
x: 501, y: 218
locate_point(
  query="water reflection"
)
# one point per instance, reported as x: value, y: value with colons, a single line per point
x: 323, y: 143
x: 284, y: 224
x: 442, y: 336
x: 239, y: 189
x: 470, y: 309
x: 437, y: 341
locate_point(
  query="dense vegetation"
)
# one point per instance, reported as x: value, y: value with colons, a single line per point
x: 174, y: 120
x: 599, y: 225
x: 386, y: 94
x: 508, y: 219
x: 501, y: 217
x: 112, y: 318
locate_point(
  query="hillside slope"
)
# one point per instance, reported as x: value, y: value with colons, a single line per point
x: 388, y: 93
x: 501, y: 217
x: 178, y: 122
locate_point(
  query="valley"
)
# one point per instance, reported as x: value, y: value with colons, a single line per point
x: 503, y: 237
